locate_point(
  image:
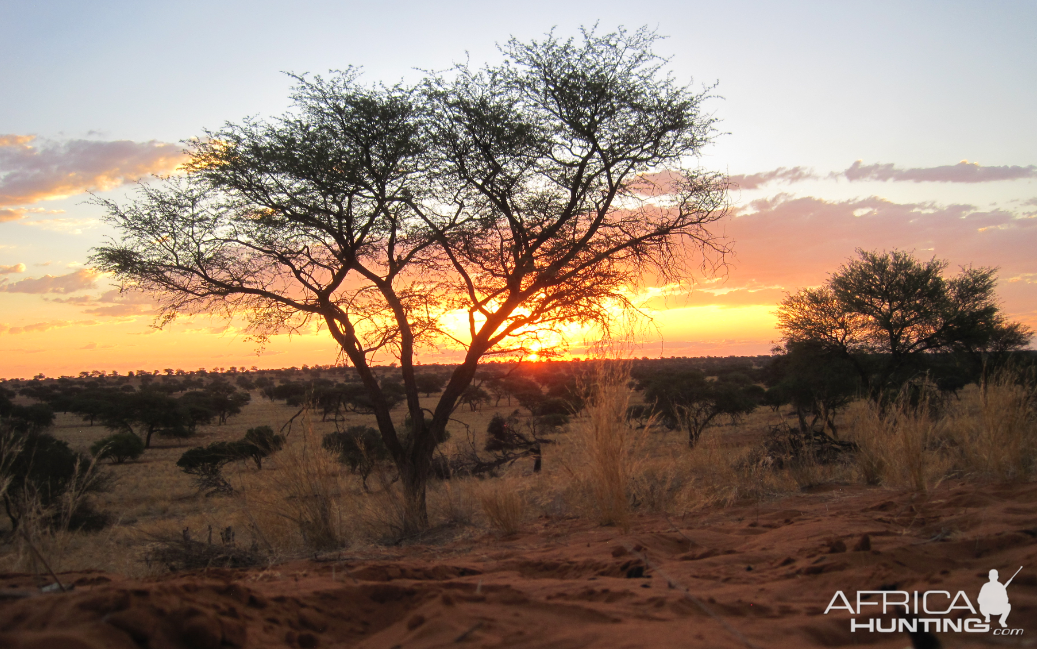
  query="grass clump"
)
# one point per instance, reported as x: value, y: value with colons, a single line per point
x: 609, y: 449
x: 503, y: 505
x: 994, y: 429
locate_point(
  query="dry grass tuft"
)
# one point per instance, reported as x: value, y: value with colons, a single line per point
x: 902, y: 445
x: 609, y: 449
x: 994, y: 429
x: 302, y: 490
x: 504, y: 505
x: 453, y: 501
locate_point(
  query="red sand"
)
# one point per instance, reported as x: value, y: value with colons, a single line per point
x: 766, y: 573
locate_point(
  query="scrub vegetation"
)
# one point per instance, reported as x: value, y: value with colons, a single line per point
x: 322, y: 484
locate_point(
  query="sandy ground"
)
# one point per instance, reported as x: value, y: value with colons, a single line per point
x: 748, y: 576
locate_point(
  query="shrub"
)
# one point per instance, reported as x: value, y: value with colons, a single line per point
x: 900, y: 444
x: 306, y: 481
x: 118, y: 447
x: 48, y: 480
x: 260, y: 442
x: 360, y: 447
x: 994, y: 430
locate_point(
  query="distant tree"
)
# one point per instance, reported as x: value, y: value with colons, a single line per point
x: 473, y: 397
x: 226, y: 401
x: 205, y: 464
x: 144, y: 413
x: 885, y: 312
x: 506, y: 439
x: 429, y: 383
x: 815, y: 380
x: 32, y: 418
x: 686, y: 398
x: 526, y: 195
x: 261, y: 442
x: 196, y: 409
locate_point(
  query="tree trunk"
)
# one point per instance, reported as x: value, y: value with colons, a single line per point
x: 415, y: 514
x: 801, y: 415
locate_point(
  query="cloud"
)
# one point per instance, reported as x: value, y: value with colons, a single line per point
x: 112, y: 303
x: 121, y: 310
x: 65, y: 226
x: 7, y: 214
x: 784, y: 242
x: 795, y: 241
x: 93, y: 346
x: 29, y: 173
x: 75, y: 281
x: 15, y: 140
x: 18, y: 213
x: 10, y: 270
x: 781, y: 174
x: 963, y: 172
x: 39, y: 327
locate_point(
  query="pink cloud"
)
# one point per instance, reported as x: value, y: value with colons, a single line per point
x: 121, y: 310
x: 10, y: 270
x: 56, y: 169
x: 781, y: 174
x: 963, y: 172
x: 7, y: 214
x: 112, y: 303
x: 792, y: 242
x: 76, y: 281
x: 39, y: 327
x: 15, y: 140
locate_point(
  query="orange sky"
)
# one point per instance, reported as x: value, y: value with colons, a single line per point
x: 829, y: 150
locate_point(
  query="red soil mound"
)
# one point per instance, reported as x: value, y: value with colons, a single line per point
x: 745, y: 576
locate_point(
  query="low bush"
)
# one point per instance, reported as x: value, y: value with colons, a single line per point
x: 118, y: 448
x: 359, y: 447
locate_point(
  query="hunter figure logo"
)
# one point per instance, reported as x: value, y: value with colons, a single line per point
x: 900, y: 611
x: 993, y: 598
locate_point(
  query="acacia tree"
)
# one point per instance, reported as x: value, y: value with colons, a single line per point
x: 517, y: 195
x: 885, y: 311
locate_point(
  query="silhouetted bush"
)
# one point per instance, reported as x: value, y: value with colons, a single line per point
x: 42, y: 473
x: 359, y: 447
x: 205, y: 464
x: 118, y: 448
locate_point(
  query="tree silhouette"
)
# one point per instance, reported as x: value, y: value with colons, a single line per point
x: 885, y: 312
x: 520, y: 196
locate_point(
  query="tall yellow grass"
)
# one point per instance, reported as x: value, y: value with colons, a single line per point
x: 302, y: 489
x: 609, y: 449
x: 994, y: 429
x: 987, y: 433
x: 503, y: 503
x: 900, y: 445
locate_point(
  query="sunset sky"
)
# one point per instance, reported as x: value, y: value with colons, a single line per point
x: 872, y: 125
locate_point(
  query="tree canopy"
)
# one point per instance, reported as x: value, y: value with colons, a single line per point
x: 512, y: 199
x: 885, y: 311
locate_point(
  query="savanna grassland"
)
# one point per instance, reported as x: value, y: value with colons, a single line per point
x: 627, y: 532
